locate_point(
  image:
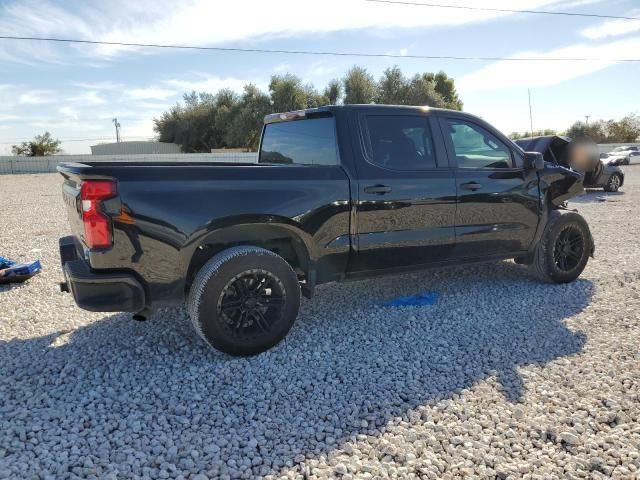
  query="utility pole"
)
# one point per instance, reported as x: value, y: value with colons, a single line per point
x: 530, y: 114
x: 586, y: 119
x: 117, y: 124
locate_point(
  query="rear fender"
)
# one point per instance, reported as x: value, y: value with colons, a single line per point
x: 283, y: 238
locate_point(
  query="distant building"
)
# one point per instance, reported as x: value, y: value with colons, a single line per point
x: 135, y: 147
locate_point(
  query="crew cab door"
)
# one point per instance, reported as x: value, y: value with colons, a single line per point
x: 497, y: 211
x: 406, y: 195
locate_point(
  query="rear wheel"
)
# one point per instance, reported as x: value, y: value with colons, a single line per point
x: 613, y: 184
x: 244, y: 300
x: 564, y: 249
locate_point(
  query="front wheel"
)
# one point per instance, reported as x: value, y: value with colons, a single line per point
x: 244, y: 300
x: 563, y: 251
x: 613, y: 184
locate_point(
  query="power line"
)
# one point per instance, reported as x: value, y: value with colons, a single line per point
x: 503, y: 10
x: 325, y: 53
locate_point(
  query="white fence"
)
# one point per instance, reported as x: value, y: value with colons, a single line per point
x: 10, y: 164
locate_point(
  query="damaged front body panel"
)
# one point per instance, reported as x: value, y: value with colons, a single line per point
x: 559, y: 184
x: 579, y: 157
x: 558, y: 180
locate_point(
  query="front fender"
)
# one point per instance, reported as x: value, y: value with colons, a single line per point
x: 558, y: 184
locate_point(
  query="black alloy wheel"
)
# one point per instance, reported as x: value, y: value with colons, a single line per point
x: 252, y: 302
x: 568, y: 249
x: 244, y: 300
x: 563, y: 250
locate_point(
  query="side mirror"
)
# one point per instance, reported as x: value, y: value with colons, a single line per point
x: 533, y: 161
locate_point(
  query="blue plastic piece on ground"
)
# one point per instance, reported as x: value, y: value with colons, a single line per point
x: 12, y: 272
x: 5, y: 262
x: 421, y: 299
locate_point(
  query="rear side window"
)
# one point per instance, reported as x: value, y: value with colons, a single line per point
x: 399, y: 142
x: 307, y: 142
x: 475, y: 147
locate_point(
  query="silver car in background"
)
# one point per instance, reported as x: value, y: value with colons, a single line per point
x: 625, y: 155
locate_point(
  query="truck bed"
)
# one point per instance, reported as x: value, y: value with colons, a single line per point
x: 165, y: 211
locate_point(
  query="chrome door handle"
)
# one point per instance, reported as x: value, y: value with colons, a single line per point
x: 471, y: 186
x: 377, y: 189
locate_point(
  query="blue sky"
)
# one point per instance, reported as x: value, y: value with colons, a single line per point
x: 74, y: 91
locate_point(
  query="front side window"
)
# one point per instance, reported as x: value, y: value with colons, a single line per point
x: 475, y: 147
x: 309, y: 142
x: 399, y: 142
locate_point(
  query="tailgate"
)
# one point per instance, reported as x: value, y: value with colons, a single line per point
x: 73, y: 204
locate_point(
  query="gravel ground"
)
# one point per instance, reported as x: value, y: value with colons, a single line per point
x: 504, y: 377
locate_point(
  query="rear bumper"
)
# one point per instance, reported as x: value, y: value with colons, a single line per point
x: 98, y: 291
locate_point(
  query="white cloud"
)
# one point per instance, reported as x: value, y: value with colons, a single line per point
x: 506, y: 74
x: 189, y: 22
x: 404, y: 51
x: 36, y: 97
x: 139, y: 129
x: 573, y: 4
x: 150, y: 93
x: 282, y: 68
x: 106, y: 86
x: 90, y: 97
x: 209, y: 84
x: 69, y: 112
x: 613, y: 28
x: 318, y: 70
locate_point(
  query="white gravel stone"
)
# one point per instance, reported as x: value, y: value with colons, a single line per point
x: 504, y: 377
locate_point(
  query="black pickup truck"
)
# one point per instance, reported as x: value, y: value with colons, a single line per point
x: 339, y: 192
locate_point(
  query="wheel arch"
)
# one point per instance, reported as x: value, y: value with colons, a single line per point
x: 282, y: 238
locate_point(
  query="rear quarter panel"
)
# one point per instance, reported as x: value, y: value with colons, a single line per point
x: 168, y: 211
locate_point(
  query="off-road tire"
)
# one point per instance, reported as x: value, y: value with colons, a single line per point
x: 613, y: 184
x: 544, y: 265
x: 209, y: 286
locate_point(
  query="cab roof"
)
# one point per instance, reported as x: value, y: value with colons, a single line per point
x: 329, y: 109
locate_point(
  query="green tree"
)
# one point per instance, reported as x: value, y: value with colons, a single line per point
x: 204, y: 121
x: 393, y: 88
x: 359, y: 86
x: 333, y: 92
x: 445, y: 86
x: 422, y: 91
x: 200, y: 124
x: 246, y: 126
x: 626, y: 130
x: 40, y: 146
x: 287, y: 93
x: 595, y: 131
x: 315, y: 99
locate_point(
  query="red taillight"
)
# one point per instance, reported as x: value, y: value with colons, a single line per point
x: 97, y: 226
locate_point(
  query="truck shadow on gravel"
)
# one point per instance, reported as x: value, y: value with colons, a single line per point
x: 151, y: 395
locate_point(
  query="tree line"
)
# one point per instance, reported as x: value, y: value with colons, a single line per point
x: 40, y: 146
x: 225, y: 119
x: 625, y: 130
